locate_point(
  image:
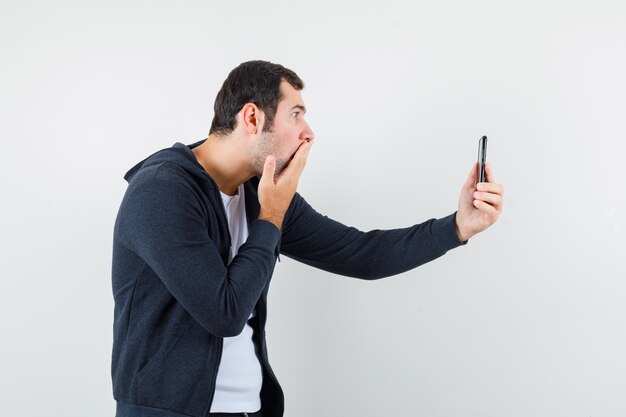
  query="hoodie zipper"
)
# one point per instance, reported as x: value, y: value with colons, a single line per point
x: 277, y: 251
x: 224, y: 221
x: 216, y: 364
x: 214, y: 377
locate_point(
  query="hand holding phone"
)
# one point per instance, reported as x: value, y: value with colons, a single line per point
x: 479, y: 207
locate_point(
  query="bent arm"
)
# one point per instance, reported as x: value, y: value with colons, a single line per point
x: 162, y: 222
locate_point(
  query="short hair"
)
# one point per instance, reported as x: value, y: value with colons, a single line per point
x: 255, y: 82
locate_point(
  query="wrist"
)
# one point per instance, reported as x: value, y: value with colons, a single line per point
x: 274, y: 219
x: 461, y: 233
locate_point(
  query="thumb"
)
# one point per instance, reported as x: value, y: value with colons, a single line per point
x: 472, y: 177
x: 269, y: 169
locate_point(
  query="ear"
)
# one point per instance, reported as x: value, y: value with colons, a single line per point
x: 252, y: 118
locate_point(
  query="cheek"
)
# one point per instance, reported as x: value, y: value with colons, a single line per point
x: 294, y: 135
x: 285, y: 141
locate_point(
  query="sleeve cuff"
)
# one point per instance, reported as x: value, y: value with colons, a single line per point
x: 444, y: 233
x: 264, y: 233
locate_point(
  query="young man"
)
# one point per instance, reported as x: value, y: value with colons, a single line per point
x: 195, y: 243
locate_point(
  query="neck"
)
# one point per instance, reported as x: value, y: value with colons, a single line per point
x: 224, y: 159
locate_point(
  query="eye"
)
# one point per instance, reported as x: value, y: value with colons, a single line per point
x: 296, y: 114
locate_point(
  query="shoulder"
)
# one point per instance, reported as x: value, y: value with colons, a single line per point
x: 166, y: 183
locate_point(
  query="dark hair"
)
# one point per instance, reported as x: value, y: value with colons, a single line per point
x: 255, y: 82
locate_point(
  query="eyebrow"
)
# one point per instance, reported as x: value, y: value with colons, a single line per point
x: 299, y: 106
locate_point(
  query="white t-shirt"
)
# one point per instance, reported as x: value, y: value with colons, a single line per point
x: 240, y: 376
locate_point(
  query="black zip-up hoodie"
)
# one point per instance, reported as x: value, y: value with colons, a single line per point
x: 176, y: 298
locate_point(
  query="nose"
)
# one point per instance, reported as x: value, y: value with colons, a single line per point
x: 308, y: 134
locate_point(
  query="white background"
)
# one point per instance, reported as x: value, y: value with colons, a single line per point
x: 526, y: 320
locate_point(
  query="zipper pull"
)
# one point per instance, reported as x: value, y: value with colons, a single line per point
x: 277, y: 253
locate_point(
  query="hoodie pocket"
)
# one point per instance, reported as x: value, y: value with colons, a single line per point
x: 178, y: 377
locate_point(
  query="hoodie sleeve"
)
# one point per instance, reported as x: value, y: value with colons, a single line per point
x: 163, y: 223
x: 324, y: 243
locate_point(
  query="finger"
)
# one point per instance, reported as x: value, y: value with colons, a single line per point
x: 489, y: 172
x: 269, y: 169
x: 296, y: 166
x: 486, y: 207
x: 493, y: 199
x: 490, y: 187
x: 472, y: 177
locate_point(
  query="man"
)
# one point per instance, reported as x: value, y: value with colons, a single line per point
x: 195, y: 243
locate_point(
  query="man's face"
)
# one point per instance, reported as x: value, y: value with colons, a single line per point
x: 288, y: 132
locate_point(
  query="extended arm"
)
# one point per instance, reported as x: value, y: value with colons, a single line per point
x: 321, y: 242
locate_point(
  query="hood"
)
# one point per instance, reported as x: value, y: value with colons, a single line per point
x: 179, y: 154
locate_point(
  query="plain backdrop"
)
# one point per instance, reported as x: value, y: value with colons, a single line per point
x: 527, y: 320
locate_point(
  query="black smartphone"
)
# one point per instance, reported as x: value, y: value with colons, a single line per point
x: 482, y: 158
